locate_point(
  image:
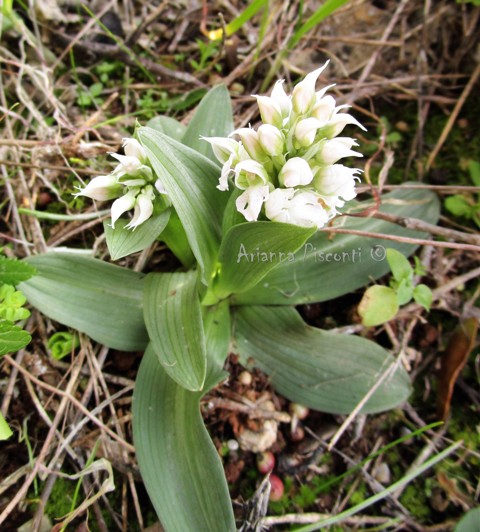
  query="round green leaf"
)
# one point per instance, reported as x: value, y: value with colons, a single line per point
x: 378, y: 305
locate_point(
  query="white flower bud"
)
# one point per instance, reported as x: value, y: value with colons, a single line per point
x: 303, y: 96
x: 250, y: 202
x: 102, y: 188
x: 324, y: 108
x: 250, y: 141
x: 133, y: 148
x: 336, y: 180
x: 306, y: 131
x: 123, y: 204
x: 271, y: 139
x: 335, y: 149
x: 250, y: 173
x: 280, y: 96
x: 143, y: 208
x: 270, y: 111
x: 296, y: 171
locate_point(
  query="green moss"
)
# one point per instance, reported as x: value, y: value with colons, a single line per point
x: 59, y: 503
x: 416, y: 502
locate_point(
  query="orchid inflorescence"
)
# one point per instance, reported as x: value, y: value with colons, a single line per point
x: 288, y: 166
x: 132, y: 182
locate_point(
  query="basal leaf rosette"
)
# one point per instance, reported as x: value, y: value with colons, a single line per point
x: 288, y: 168
x: 132, y: 184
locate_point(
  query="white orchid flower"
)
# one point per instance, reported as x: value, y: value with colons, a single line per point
x: 222, y: 147
x: 102, y: 188
x: 271, y: 139
x: 337, y: 123
x: 295, y: 172
x: 250, y: 173
x: 304, y: 96
x: 123, y: 204
x: 304, y: 208
x: 133, y: 148
x: 250, y: 202
x: 143, y: 208
x: 336, y: 180
x: 306, y: 131
x: 277, y: 205
x: 334, y: 149
x: 270, y: 110
x: 324, y: 108
x: 282, y: 99
x: 250, y: 142
x: 128, y: 165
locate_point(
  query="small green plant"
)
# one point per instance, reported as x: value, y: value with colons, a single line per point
x: 381, y: 303
x: 62, y: 344
x: 12, y: 336
x: 467, y: 205
x: 91, y: 95
x: 208, y: 50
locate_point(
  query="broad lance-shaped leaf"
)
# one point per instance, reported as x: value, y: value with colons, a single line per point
x: 323, y: 370
x: 100, y: 299
x: 329, y: 266
x: 218, y: 328
x: 250, y: 250
x: 212, y: 118
x: 180, y: 466
x: 190, y: 180
x: 174, y: 323
x: 169, y: 126
x: 122, y: 242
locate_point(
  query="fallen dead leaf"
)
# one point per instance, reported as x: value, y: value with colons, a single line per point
x: 453, y: 360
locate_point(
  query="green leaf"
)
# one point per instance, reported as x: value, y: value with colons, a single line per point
x: 13, y: 271
x: 12, y: 338
x: 190, y: 180
x: 91, y: 296
x: 329, y: 266
x: 399, y: 265
x: 169, y: 126
x: 379, y: 304
x: 122, y: 242
x: 404, y: 290
x: 218, y: 327
x: 212, y: 118
x: 423, y: 296
x: 458, y: 205
x: 250, y: 250
x: 11, y: 304
x: 62, y: 344
x: 176, y: 239
x: 5, y: 430
x: 231, y: 215
x: 470, y: 522
x: 474, y: 170
x: 319, y: 369
x: 180, y: 466
x: 174, y: 324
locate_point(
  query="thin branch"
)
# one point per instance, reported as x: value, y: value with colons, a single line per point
x: 404, y: 239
